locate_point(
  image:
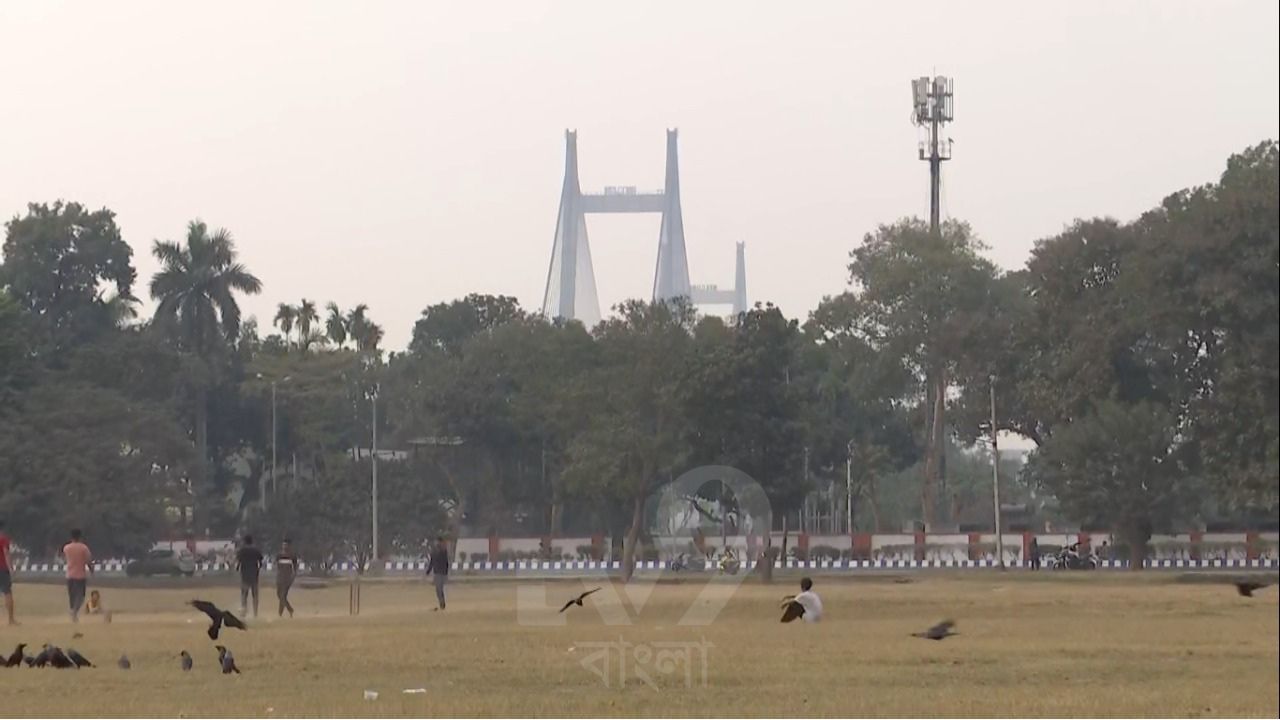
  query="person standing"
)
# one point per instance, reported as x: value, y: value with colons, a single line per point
x: 1033, y: 553
x: 249, y: 563
x: 438, y: 569
x: 6, y: 577
x: 79, y: 565
x: 286, y: 571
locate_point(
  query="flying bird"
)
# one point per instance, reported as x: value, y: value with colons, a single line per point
x: 218, y: 617
x: 578, y: 600
x: 938, y: 632
x: 80, y: 660
x: 227, y: 661
x: 791, y: 609
x: 187, y: 662
x: 123, y: 663
x: 17, y: 657
x: 1246, y: 587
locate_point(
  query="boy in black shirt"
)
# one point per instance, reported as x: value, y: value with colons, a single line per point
x: 249, y: 563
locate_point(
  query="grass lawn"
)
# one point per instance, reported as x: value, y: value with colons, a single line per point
x: 1087, y: 644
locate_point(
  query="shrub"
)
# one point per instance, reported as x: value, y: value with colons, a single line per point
x: 479, y: 557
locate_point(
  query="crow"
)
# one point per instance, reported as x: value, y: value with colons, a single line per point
x: 187, y: 662
x: 218, y: 616
x: 78, y: 659
x: 791, y: 610
x: 227, y: 661
x: 938, y: 632
x: 578, y: 600
x: 42, y: 658
x: 29, y: 661
x: 59, y: 659
x: 1246, y: 587
x: 123, y: 663
x: 17, y: 657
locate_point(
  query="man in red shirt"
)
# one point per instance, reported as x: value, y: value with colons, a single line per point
x: 6, y: 578
x: 79, y: 565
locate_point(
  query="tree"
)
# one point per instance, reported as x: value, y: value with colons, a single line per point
x: 15, y: 351
x: 196, y: 288
x: 924, y: 298
x: 81, y: 456
x: 744, y: 411
x: 1122, y: 465
x: 634, y: 438
x: 306, y: 317
x: 335, y: 325
x: 286, y: 314
x: 362, y: 331
x: 445, y: 326
x: 58, y: 261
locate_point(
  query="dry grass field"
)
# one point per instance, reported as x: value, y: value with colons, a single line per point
x: 1062, y: 645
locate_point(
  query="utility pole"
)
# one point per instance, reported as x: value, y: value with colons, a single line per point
x: 848, y: 488
x: 995, y: 476
x: 374, y: 554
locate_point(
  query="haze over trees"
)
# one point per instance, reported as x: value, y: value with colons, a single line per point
x: 1140, y: 358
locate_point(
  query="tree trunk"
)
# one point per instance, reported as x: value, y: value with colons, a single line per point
x: 1136, y: 536
x: 633, y: 535
x: 937, y: 397
x: 766, y: 569
x: 201, y: 474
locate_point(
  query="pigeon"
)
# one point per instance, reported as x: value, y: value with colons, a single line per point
x: 187, y: 662
x: 80, y: 660
x: 227, y: 661
x: 17, y: 657
x: 578, y: 600
x: 1246, y: 587
x: 938, y: 632
x: 791, y: 610
x: 123, y: 663
x: 218, y: 616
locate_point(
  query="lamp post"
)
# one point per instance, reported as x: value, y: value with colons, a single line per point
x: 848, y: 487
x: 374, y: 457
x: 995, y: 477
x: 284, y: 379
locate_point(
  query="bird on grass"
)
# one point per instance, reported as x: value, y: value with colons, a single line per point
x: 1246, y: 587
x: 77, y: 636
x: 123, y: 663
x: 29, y: 661
x: 80, y: 660
x: 59, y: 659
x: 218, y: 617
x: 227, y: 661
x: 42, y: 658
x: 187, y: 662
x: 17, y: 657
x: 578, y: 600
x: 938, y: 632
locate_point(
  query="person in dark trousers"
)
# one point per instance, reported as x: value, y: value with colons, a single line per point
x: 6, y: 578
x: 1033, y: 553
x: 249, y: 563
x: 438, y: 568
x: 286, y: 571
x: 79, y: 566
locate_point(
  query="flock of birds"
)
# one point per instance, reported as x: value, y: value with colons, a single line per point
x: 52, y: 656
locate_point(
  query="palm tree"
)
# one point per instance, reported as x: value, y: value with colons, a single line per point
x: 306, y: 316
x: 365, y: 333
x: 335, y: 325
x: 285, y: 315
x: 196, y: 288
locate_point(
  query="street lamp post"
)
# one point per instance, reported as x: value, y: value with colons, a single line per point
x: 374, y: 490
x: 995, y: 477
x: 848, y: 487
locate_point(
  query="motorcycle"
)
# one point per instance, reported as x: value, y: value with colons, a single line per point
x: 1071, y: 559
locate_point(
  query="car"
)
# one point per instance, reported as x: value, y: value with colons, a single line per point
x: 163, y: 562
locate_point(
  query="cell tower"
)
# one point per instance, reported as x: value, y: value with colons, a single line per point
x: 571, y: 284
x: 933, y: 108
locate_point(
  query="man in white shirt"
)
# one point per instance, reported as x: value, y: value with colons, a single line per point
x: 806, y: 605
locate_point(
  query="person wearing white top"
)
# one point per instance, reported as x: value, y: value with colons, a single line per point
x: 806, y: 605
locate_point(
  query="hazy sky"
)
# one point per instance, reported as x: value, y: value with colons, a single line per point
x: 403, y: 153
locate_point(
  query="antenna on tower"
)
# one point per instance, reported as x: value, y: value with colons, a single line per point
x: 933, y: 105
